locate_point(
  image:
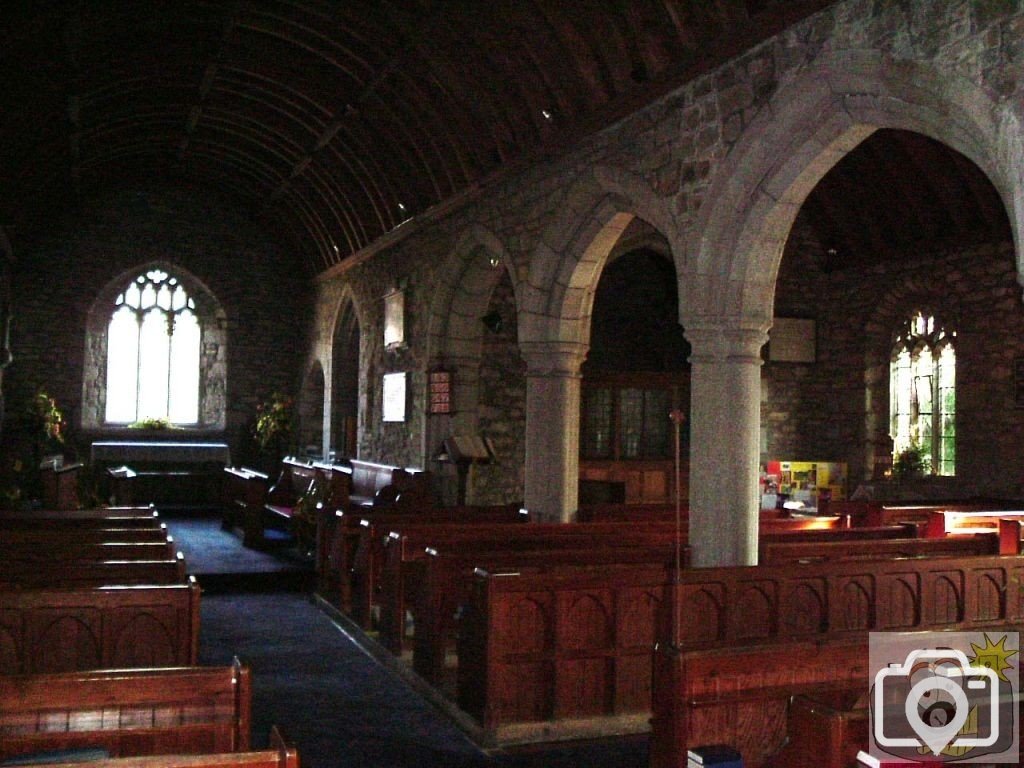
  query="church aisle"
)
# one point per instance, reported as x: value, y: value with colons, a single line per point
x: 340, y: 707
x: 343, y: 709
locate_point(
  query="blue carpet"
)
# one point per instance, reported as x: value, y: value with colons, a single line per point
x: 340, y: 706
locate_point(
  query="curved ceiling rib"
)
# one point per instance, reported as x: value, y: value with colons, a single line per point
x: 339, y: 121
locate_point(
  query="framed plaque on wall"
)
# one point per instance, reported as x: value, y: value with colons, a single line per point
x: 439, y: 383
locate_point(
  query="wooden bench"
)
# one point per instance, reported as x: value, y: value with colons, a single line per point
x: 559, y: 645
x: 950, y: 522
x: 488, y: 548
x: 59, y: 535
x: 126, y: 517
x: 302, y: 501
x: 128, y: 712
x: 279, y: 754
x: 42, y: 550
x: 779, y: 552
x: 348, y: 534
x: 444, y: 582
x: 875, y: 513
x: 243, y: 493
x: 72, y: 573
x: 525, y: 638
x: 60, y: 630
x: 385, y: 486
x: 740, y: 696
x: 441, y: 582
x: 368, y: 566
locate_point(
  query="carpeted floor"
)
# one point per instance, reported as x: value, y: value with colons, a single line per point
x: 340, y: 706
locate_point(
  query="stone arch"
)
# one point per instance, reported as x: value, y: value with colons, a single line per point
x: 567, y: 263
x: 312, y: 415
x: 346, y: 399
x: 815, y: 119
x: 213, y: 359
x: 467, y: 283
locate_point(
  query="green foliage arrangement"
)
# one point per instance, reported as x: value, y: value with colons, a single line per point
x: 152, y: 423
x: 274, y: 423
x: 909, y: 463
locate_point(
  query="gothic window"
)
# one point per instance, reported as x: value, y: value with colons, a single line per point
x: 922, y: 393
x: 153, y: 348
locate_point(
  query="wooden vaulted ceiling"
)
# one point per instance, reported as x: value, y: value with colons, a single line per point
x: 336, y: 120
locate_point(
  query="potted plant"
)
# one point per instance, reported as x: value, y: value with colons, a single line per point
x: 910, y: 463
x: 273, y: 429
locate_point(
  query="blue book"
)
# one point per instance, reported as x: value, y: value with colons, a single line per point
x: 715, y: 756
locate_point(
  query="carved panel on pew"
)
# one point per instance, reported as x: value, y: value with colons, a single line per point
x: 58, y: 630
x: 145, y: 711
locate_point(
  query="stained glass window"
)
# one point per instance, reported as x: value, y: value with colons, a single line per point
x: 922, y: 393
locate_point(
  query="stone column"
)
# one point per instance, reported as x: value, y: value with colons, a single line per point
x: 552, y: 428
x: 725, y: 413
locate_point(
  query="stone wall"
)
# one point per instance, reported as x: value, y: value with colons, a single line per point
x: 256, y: 281
x: 831, y: 410
x: 554, y: 223
x: 502, y: 409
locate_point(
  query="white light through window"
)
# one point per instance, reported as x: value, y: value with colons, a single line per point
x: 153, y: 343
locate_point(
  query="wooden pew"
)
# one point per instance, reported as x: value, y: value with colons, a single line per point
x: 304, y: 494
x: 72, y: 573
x: 42, y: 550
x: 93, y: 513
x: 386, y: 486
x: 825, y: 730
x: 949, y: 522
x: 61, y: 630
x: 874, y: 513
x: 487, y: 547
x: 279, y: 754
x: 442, y: 580
x: 793, y: 704
x: 128, y: 712
x: 349, y: 532
x: 368, y: 566
x: 778, y: 552
x: 562, y: 644
x: 113, y: 519
x: 740, y: 696
x: 525, y: 638
x: 1011, y: 532
x: 243, y: 494
x: 444, y: 583
x: 58, y: 536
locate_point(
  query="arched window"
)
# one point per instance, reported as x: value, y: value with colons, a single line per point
x: 153, y: 348
x: 922, y: 393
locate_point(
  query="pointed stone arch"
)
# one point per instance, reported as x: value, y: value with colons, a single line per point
x: 554, y: 330
x: 313, y: 419
x: 466, y: 284
x: 817, y: 116
x: 567, y: 263
x: 813, y: 121
x: 346, y: 399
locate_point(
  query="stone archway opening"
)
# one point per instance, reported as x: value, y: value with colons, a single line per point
x: 311, y: 412
x: 346, y: 345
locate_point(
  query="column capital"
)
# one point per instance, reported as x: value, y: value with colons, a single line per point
x: 559, y: 359
x: 718, y: 340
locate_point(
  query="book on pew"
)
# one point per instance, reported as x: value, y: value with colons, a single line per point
x: 870, y: 761
x: 713, y: 756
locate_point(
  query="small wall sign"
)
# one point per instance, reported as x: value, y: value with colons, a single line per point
x: 439, y: 382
